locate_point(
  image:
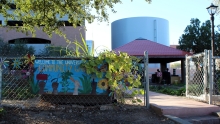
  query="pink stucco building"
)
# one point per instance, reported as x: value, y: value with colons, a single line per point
x: 71, y: 33
x: 41, y: 38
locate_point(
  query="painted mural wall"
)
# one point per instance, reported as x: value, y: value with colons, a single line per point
x: 66, y: 77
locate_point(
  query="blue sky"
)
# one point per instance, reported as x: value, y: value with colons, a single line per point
x: 177, y: 12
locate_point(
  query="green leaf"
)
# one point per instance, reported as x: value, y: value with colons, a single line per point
x: 139, y: 100
x: 108, y: 75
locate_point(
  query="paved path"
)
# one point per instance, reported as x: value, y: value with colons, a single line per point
x: 179, y: 106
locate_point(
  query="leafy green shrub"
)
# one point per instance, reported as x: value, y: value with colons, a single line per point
x: 19, y: 48
x: 2, y: 112
x: 55, y: 51
x: 168, y: 90
x: 116, y: 68
x: 195, y: 89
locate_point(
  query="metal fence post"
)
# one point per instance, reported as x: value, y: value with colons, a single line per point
x: 187, y: 71
x: 210, y: 76
x: 0, y: 84
x: 205, y: 73
x: 146, y: 79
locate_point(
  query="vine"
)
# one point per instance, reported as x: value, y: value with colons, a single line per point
x: 119, y: 70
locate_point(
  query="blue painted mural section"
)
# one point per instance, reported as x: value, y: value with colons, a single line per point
x: 66, y: 77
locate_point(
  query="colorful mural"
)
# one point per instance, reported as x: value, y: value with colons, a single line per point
x: 66, y: 77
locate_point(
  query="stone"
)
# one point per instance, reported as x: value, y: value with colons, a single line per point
x: 106, y: 107
x: 74, y: 106
x: 81, y: 107
x: 53, y: 107
x: 70, y: 111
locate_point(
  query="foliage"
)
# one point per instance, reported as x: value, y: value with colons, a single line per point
x: 115, y: 68
x: 195, y: 89
x: 175, y: 65
x: 86, y: 83
x: 20, y: 47
x: 169, y: 90
x: 197, y: 37
x: 52, y: 50
x: 2, y: 112
x: 17, y: 49
x: 81, y: 49
x: 49, y: 13
x: 4, y: 48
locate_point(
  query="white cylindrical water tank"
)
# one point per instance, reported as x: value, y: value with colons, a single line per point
x: 126, y: 30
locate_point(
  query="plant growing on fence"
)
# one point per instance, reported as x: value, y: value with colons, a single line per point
x: 195, y: 89
x: 114, y: 67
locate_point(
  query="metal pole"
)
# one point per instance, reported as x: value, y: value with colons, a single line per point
x: 213, y: 55
x: 205, y: 74
x: 187, y: 73
x: 213, y: 35
x: 210, y: 76
x: 0, y: 84
x: 146, y: 79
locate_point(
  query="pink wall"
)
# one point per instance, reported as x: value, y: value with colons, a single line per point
x: 71, y: 33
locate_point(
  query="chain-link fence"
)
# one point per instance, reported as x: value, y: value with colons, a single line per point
x: 202, y: 77
x: 196, y: 78
x: 215, y: 99
x: 48, y: 83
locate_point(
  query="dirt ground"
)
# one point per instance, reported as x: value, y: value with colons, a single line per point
x: 74, y: 114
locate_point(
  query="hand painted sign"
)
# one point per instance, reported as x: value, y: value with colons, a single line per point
x: 66, y: 77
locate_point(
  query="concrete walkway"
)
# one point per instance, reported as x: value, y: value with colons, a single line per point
x: 179, y: 106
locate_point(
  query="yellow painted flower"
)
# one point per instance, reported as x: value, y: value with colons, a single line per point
x: 103, y: 84
x: 29, y: 59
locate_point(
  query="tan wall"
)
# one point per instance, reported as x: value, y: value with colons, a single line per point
x: 71, y: 33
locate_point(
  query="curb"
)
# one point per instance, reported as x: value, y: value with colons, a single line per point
x: 177, y: 119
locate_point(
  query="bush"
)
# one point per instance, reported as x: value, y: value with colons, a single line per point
x: 20, y: 48
x: 169, y: 90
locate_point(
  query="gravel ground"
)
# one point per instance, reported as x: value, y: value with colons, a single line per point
x: 66, y: 114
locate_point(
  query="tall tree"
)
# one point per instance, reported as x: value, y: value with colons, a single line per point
x: 47, y: 13
x: 197, y: 37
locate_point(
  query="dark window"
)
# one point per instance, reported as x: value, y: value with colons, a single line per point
x: 66, y: 23
x: 12, y: 5
x: 30, y: 41
x: 15, y: 23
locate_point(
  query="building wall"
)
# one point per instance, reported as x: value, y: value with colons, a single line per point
x: 71, y: 33
x: 126, y: 30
